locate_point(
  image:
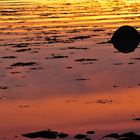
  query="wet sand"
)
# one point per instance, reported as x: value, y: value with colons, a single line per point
x: 59, y: 72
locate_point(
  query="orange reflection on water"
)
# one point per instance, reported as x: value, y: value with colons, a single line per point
x: 106, y: 112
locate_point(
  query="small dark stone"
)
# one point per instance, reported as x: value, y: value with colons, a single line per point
x: 80, y: 136
x: 3, y: 87
x: 90, y: 132
x: 113, y: 135
x: 136, y: 119
x: 62, y: 135
x: 87, y: 139
x: 126, y: 39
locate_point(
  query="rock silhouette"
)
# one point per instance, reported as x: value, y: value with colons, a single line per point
x: 47, y: 134
x: 126, y: 39
x: 80, y: 136
x: 124, y: 136
x: 42, y: 134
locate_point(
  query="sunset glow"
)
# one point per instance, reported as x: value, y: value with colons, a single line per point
x: 60, y: 72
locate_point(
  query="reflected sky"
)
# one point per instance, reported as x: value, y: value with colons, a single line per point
x: 55, y: 59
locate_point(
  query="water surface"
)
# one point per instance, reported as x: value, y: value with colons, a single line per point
x: 57, y: 71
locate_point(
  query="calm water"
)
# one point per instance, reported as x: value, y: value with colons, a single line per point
x: 58, y: 73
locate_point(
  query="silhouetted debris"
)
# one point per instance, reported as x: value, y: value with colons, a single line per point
x: 23, y: 50
x: 8, y: 12
x: 98, y: 30
x: 136, y: 119
x: 3, y: 87
x: 126, y: 39
x: 104, y: 42
x: 15, y: 72
x: 124, y: 136
x: 82, y: 79
x: 80, y: 136
x: 77, y: 48
x: 136, y: 58
x: 88, y: 139
x: 80, y: 37
x: 45, y: 134
x: 60, y: 56
x: 21, y: 45
x: 69, y: 67
x: 117, y: 63
x: 90, y: 132
x: 9, y: 57
x: 57, y: 56
x: 115, y: 86
x: 130, y: 63
x: 130, y: 135
x: 23, y: 64
x: 37, y: 68
x: 86, y: 59
x: 53, y: 39
x: 113, y: 135
x: 42, y: 134
x: 100, y: 101
x: 24, y: 106
x: 62, y: 135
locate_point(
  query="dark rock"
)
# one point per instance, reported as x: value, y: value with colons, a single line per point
x: 129, y: 135
x: 62, y: 135
x: 87, y: 139
x: 136, y: 119
x: 90, y: 132
x: 42, y: 134
x: 80, y: 136
x: 126, y: 39
x: 3, y: 87
x: 78, y: 48
x: 125, y: 136
x: 113, y: 135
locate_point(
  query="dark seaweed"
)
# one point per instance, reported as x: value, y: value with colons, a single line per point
x: 23, y: 64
